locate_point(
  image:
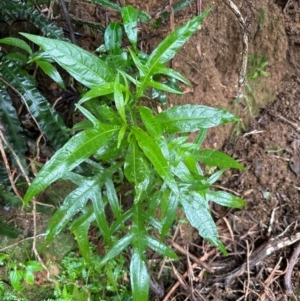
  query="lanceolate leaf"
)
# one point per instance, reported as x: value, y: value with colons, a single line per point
x: 80, y: 228
x: 189, y: 118
x: 154, y: 154
x: 225, y: 199
x: 17, y: 43
x: 129, y: 16
x: 198, y: 215
x: 74, y: 152
x: 49, y: 121
x: 81, y: 64
x: 52, y: 72
x: 139, y: 278
x: 113, y: 37
x: 136, y: 168
x: 160, y: 248
x: 217, y: 158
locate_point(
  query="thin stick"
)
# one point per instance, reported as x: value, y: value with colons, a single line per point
x: 67, y: 17
x: 288, y: 275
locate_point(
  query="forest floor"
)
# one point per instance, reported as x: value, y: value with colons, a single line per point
x: 260, y: 238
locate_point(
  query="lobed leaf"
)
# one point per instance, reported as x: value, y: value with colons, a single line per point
x: 190, y: 118
x: 49, y: 120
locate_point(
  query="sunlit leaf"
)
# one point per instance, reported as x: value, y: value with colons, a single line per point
x: 113, y: 37
x: 225, y: 199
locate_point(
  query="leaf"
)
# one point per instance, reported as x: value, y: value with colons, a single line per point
x: 196, y: 211
x: 99, y: 209
x: 136, y: 168
x: 152, y: 125
x: 189, y: 118
x: 154, y: 154
x: 15, y: 11
x: 139, y: 278
x: 113, y: 37
x: 113, y: 198
x: 163, y: 87
x: 162, y: 69
x: 217, y: 158
x: 81, y: 64
x: 117, y: 248
x: 52, y: 72
x: 99, y: 90
x: 48, y: 119
x: 160, y: 248
x: 225, y: 199
x: 74, y: 152
x: 119, y: 98
x: 11, y: 127
x: 108, y: 3
x: 15, y: 277
x: 129, y: 16
x: 17, y: 43
x: 80, y: 228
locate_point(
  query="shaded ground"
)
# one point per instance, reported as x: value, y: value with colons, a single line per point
x: 268, y: 144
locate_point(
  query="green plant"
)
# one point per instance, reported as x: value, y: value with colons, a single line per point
x: 19, y: 272
x: 122, y: 141
x: 18, y: 61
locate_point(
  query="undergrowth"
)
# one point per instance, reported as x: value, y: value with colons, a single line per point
x: 133, y: 167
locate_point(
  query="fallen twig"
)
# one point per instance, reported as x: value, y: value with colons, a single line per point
x: 288, y: 275
x: 271, y: 246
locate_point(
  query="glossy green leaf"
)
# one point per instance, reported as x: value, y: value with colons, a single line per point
x: 139, y: 278
x: 113, y: 198
x: 121, y: 135
x: 95, y: 122
x: 190, y: 118
x: 163, y: 87
x: 162, y: 69
x: 225, y: 199
x: 160, y: 248
x: 117, y: 248
x: 129, y: 16
x: 154, y: 154
x: 119, y: 98
x: 136, y: 167
x: 49, y: 120
x: 30, y: 268
x: 108, y: 3
x: 99, y: 209
x: 52, y: 72
x: 99, y: 90
x: 171, y: 44
x: 81, y: 64
x: 152, y: 125
x: 16, y: 11
x: 215, y: 176
x: 17, y: 57
x: 15, y: 277
x: 17, y: 43
x: 74, y: 152
x: 138, y: 228
x: 196, y: 210
x: 217, y: 158
x: 169, y: 208
x: 80, y: 228
x: 113, y: 37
